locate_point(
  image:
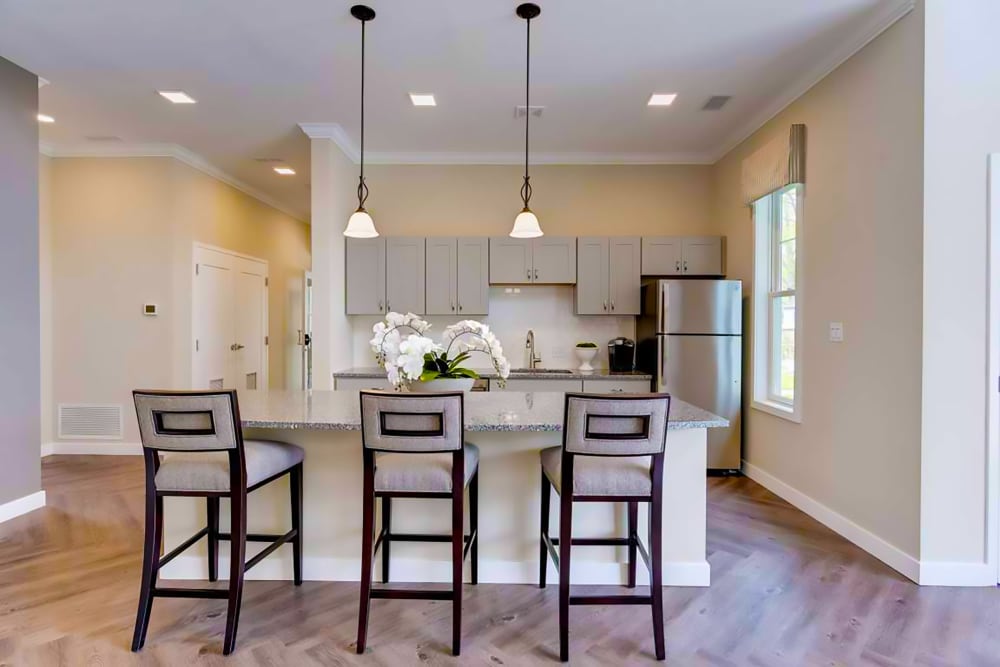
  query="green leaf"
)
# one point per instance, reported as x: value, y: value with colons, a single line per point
x: 429, y: 375
x: 465, y: 372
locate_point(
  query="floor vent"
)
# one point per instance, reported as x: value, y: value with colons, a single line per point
x: 90, y: 422
x: 716, y: 102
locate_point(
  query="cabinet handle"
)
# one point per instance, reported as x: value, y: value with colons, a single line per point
x: 604, y: 304
x: 380, y: 305
x: 453, y: 306
x: 459, y: 307
x: 387, y: 306
x: 536, y: 274
x: 677, y: 265
x: 612, y: 305
x: 685, y: 267
x: 529, y: 274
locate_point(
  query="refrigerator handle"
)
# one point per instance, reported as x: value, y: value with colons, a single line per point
x: 661, y: 326
x: 660, y: 340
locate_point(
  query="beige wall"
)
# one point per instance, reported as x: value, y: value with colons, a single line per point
x: 584, y: 200
x: 122, y: 235
x: 857, y: 450
x: 45, y: 291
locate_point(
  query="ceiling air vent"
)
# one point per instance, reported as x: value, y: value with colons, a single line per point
x: 90, y: 422
x: 103, y: 138
x: 536, y: 112
x: 716, y: 102
x: 268, y: 160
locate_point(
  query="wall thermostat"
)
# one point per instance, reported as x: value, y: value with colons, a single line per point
x: 150, y: 309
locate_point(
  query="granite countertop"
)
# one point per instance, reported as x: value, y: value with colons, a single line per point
x: 484, y: 411
x: 573, y: 374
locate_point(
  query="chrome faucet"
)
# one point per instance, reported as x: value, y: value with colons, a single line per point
x: 529, y: 344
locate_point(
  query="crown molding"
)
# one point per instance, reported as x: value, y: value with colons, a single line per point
x: 878, y: 24
x: 179, y: 153
x: 335, y: 133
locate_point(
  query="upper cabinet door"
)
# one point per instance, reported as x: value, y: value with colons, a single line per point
x: 626, y: 277
x: 661, y: 256
x: 510, y: 261
x: 592, y: 281
x: 702, y: 256
x: 364, y: 277
x: 554, y: 260
x: 473, y: 276
x: 404, y: 275
x: 442, y: 276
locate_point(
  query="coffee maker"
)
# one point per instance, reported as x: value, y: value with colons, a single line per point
x: 621, y: 355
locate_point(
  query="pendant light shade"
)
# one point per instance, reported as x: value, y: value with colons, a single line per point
x: 360, y: 225
x: 526, y: 223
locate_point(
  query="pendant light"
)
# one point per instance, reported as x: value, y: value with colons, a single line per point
x: 526, y: 223
x: 361, y: 225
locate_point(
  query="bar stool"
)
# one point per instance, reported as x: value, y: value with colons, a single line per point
x: 414, y: 447
x: 612, y: 451
x: 209, y: 458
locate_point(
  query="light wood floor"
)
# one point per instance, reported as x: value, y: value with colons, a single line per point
x: 786, y: 592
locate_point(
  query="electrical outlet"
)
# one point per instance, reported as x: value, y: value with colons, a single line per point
x: 836, y: 332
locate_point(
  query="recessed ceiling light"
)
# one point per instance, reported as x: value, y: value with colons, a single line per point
x: 284, y: 171
x: 661, y: 99
x: 177, y: 96
x: 420, y: 100
x: 42, y: 118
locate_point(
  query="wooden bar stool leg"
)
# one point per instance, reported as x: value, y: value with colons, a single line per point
x: 367, y: 528
x: 474, y: 526
x: 213, y: 538
x: 457, y: 544
x: 633, y: 521
x: 386, y: 541
x: 237, y: 555
x: 295, y: 490
x: 150, y: 566
x: 543, y: 551
x: 565, y: 546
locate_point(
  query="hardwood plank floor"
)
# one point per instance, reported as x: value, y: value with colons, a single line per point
x: 786, y: 592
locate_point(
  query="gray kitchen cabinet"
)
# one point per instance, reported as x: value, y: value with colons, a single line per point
x: 549, y: 260
x: 404, y: 274
x: 457, y: 279
x: 364, y: 278
x: 359, y: 384
x: 473, y: 288
x: 616, y: 386
x: 609, y: 277
x: 441, y: 284
x: 510, y: 261
x: 702, y: 256
x: 661, y: 256
x: 553, y: 260
x: 539, y: 384
x: 625, y: 275
x: 682, y: 255
x: 592, y: 286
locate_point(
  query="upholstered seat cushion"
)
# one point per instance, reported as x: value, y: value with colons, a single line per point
x: 601, y: 475
x: 421, y: 473
x: 209, y: 471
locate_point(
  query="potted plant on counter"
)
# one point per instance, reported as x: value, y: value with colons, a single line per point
x: 586, y: 352
x: 416, y: 362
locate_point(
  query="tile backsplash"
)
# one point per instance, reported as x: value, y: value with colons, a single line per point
x: 548, y: 310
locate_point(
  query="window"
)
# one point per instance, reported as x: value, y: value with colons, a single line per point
x: 777, y: 303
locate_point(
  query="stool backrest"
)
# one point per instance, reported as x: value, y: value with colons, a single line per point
x: 412, y: 422
x: 188, y: 421
x: 616, y: 424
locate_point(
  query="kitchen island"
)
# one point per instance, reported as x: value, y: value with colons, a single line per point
x: 509, y: 428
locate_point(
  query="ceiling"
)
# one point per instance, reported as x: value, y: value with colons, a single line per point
x: 259, y: 68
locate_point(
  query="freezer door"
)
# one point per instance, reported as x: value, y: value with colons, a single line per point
x: 701, y: 307
x: 705, y: 371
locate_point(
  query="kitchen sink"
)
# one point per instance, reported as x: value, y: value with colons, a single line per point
x: 543, y: 371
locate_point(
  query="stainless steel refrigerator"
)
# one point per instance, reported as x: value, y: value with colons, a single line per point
x: 690, y: 338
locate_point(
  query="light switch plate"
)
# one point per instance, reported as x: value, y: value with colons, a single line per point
x: 836, y: 332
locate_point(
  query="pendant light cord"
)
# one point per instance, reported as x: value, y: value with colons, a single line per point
x: 526, y: 188
x: 362, y: 187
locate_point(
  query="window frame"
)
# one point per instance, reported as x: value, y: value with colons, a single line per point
x: 766, y: 341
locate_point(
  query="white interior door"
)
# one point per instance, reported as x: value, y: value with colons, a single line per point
x: 229, y: 321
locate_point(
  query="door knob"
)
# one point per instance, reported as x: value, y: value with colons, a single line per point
x: 236, y: 347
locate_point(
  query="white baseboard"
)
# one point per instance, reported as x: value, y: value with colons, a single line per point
x: 22, y: 505
x: 99, y: 447
x: 439, y: 571
x: 892, y: 556
x: 941, y: 573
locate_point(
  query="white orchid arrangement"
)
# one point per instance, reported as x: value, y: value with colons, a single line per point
x: 416, y: 357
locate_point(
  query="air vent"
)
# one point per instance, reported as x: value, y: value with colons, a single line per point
x: 103, y: 138
x: 90, y: 422
x: 716, y: 102
x: 536, y: 112
x: 268, y: 160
